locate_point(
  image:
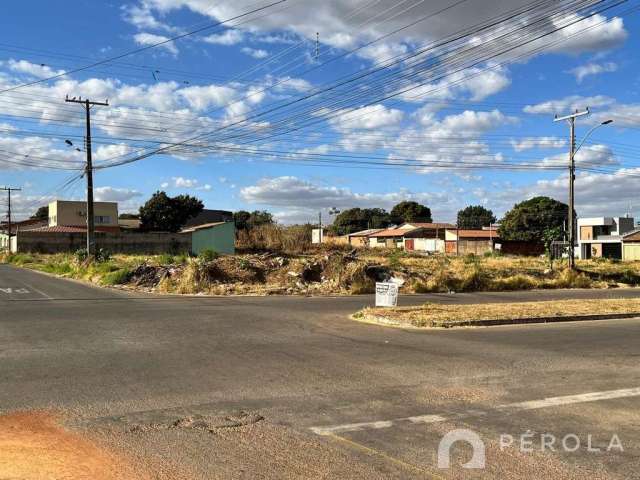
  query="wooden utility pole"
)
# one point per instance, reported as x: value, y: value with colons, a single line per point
x: 91, y: 244
x: 9, y: 190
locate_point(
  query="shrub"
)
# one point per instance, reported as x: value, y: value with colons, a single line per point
x: 103, y: 255
x: 572, y: 279
x: 117, y: 277
x: 514, y: 282
x: 165, y: 259
x: 208, y: 255
x: 81, y: 255
x: 630, y: 277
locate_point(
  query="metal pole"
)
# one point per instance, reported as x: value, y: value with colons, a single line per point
x: 9, y: 190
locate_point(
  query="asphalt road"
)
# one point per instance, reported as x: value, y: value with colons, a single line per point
x: 289, y: 387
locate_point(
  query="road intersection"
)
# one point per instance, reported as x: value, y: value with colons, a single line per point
x: 335, y: 398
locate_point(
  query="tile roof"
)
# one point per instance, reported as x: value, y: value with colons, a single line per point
x: 429, y: 225
x: 365, y: 233
x: 59, y: 229
x: 476, y: 233
x: 392, y: 232
x: 201, y: 227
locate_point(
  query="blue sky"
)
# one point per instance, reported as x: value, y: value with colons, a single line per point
x: 447, y: 143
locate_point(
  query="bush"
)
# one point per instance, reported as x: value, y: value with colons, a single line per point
x: 117, y: 277
x: 630, y: 277
x: 276, y: 238
x: 165, y: 259
x: 81, y: 255
x: 208, y: 255
x: 103, y: 255
x: 514, y: 282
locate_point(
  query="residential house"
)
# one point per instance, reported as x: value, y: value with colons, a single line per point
x: 422, y: 237
x: 468, y: 241
x: 602, y: 237
x: 361, y: 238
x: 73, y: 214
x: 631, y: 245
x: 388, y: 238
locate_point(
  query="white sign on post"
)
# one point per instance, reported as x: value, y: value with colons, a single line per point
x: 386, y: 294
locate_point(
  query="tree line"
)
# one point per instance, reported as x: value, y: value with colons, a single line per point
x: 533, y: 220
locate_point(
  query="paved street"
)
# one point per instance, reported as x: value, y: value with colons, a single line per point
x: 314, y: 394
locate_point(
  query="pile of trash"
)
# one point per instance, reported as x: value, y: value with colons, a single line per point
x: 268, y: 273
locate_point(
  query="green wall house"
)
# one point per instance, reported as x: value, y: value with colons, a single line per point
x: 219, y: 237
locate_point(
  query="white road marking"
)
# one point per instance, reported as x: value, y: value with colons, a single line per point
x: 510, y: 407
x: 9, y: 290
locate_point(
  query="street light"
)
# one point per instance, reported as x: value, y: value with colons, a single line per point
x: 593, y: 129
x: 571, y: 119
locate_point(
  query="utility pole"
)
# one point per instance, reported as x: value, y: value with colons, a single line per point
x: 91, y: 244
x: 571, y: 120
x: 9, y: 190
x: 320, y: 226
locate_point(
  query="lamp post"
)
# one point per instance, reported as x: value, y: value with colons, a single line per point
x: 571, y: 120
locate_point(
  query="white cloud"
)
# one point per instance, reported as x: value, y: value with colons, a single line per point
x: 588, y: 156
x: 529, y: 143
x: 145, y: 39
x: 299, y: 199
x: 583, y: 71
x: 202, y: 98
x: 591, y: 34
x: 346, y: 24
x: 567, y: 104
x: 255, y: 52
x: 141, y: 17
x: 111, y: 194
x: 186, y: 183
x: 367, y: 118
x: 36, y: 70
x: 228, y: 37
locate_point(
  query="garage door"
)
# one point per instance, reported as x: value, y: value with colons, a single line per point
x: 632, y: 251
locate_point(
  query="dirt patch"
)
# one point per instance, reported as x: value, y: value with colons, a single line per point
x: 204, y: 423
x: 34, y: 446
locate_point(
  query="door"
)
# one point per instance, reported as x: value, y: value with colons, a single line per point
x: 409, y: 244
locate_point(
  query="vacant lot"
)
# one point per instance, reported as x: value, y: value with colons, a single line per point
x: 331, y: 271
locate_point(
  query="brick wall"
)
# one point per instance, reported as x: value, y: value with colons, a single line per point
x: 135, y: 243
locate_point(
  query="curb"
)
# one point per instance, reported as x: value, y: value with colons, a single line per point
x: 387, y: 322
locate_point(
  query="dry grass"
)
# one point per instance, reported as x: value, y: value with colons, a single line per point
x: 340, y: 271
x: 434, y: 315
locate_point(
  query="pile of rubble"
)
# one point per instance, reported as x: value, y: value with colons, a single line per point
x: 334, y: 272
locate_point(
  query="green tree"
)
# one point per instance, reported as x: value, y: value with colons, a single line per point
x: 529, y: 220
x: 246, y: 220
x: 357, y: 219
x: 475, y: 217
x: 41, y: 214
x: 168, y: 214
x: 410, y: 212
x: 129, y: 216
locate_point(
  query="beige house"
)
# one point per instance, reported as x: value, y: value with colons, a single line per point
x: 65, y: 213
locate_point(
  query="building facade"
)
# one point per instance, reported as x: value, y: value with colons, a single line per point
x: 602, y: 237
x: 67, y: 213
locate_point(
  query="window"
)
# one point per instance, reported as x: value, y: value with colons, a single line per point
x: 381, y: 240
x: 102, y: 219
